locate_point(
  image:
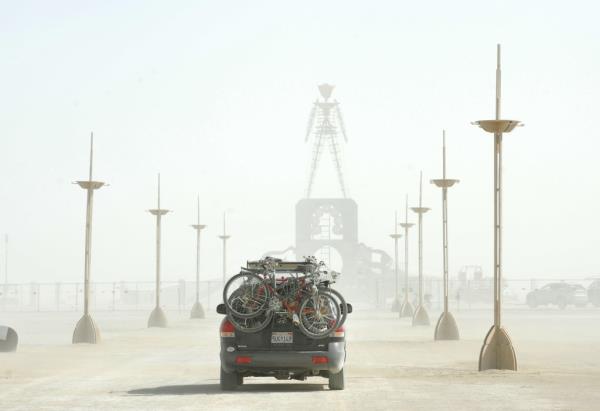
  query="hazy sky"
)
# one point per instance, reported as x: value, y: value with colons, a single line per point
x: 216, y: 95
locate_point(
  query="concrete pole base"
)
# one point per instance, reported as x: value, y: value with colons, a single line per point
x: 407, y: 310
x: 197, y: 311
x: 86, y: 331
x: 446, y: 328
x: 8, y: 339
x: 497, y: 352
x: 421, y: 317
x: 157, y: 318
x: 396, y: 305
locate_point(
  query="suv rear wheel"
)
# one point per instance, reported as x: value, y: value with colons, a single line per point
x: 230, y: 380
x: 336, y: 381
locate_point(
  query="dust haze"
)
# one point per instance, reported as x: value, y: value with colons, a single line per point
x: 294, y: 130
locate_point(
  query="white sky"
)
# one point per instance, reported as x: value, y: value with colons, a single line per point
x: 216, y: 95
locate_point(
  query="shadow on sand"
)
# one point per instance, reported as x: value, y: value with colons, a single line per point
x: 216, y: 389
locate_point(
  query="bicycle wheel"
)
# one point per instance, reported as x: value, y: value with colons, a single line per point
x: 252, y: 325
x: 341, y: 303
x: 245, y: 295
x: 319, y: 315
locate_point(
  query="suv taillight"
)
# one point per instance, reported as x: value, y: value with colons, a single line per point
x: 243, y: 359
x: 320, y: 359
x: 340, y: 332
x: 227, y: 329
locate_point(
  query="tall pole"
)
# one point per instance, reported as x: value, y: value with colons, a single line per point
x: 420, y: 317
x: 6, y: 259
x: 497, y: 351
x: 445, y: 225
x: 197, y: 310
x: 88, y: 236
x: 421, y: 245
x: 9, y: 339
x: 86, y: 330
x: 198, y: 228
x: 224, y: 238
x: 446, y: 328
x: 5, y: 294
x: 497, y: 198
x: 406, y: 310
x: 158, y: 238
x: 157, y: 316
x: 396, y: 304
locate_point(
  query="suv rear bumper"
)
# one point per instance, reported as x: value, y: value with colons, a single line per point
x: 286, y: 360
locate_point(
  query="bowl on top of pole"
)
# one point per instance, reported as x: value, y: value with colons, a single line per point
x: 157, y: 316
x: 396, y: 304
x: 406, y: 309
x: 446, y: 328
x: 197, y: 310
x: 497, y: 351
x: 86, y: 330
x: 420, y: 316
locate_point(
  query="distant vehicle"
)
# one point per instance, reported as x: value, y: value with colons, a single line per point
x: 593, y: 293
x: 273, y: 343
x: 559, y: 294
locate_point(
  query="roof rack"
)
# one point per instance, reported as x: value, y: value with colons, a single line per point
x: 309, y: 265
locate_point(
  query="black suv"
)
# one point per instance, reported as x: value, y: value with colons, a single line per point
x: 282, y: 351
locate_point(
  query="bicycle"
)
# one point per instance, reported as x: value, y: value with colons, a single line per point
x: 254, y: 295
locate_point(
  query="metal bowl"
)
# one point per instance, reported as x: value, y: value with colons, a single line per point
x: 444, y: 182
x: 497, y: 126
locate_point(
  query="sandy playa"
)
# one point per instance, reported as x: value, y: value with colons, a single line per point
x: 391, y: 365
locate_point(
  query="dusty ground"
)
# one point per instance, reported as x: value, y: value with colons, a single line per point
x: 391, y: 365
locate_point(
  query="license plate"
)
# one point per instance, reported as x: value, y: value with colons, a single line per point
x: 282, y: 338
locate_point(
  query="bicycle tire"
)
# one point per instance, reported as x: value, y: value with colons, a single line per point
x: 304, y: 319
x: 230, y: 302
x: 242, y: 324
x: 342, y: 304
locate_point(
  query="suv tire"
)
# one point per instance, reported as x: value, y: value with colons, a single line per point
x: 336, y: 381
x: 230, y: 380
